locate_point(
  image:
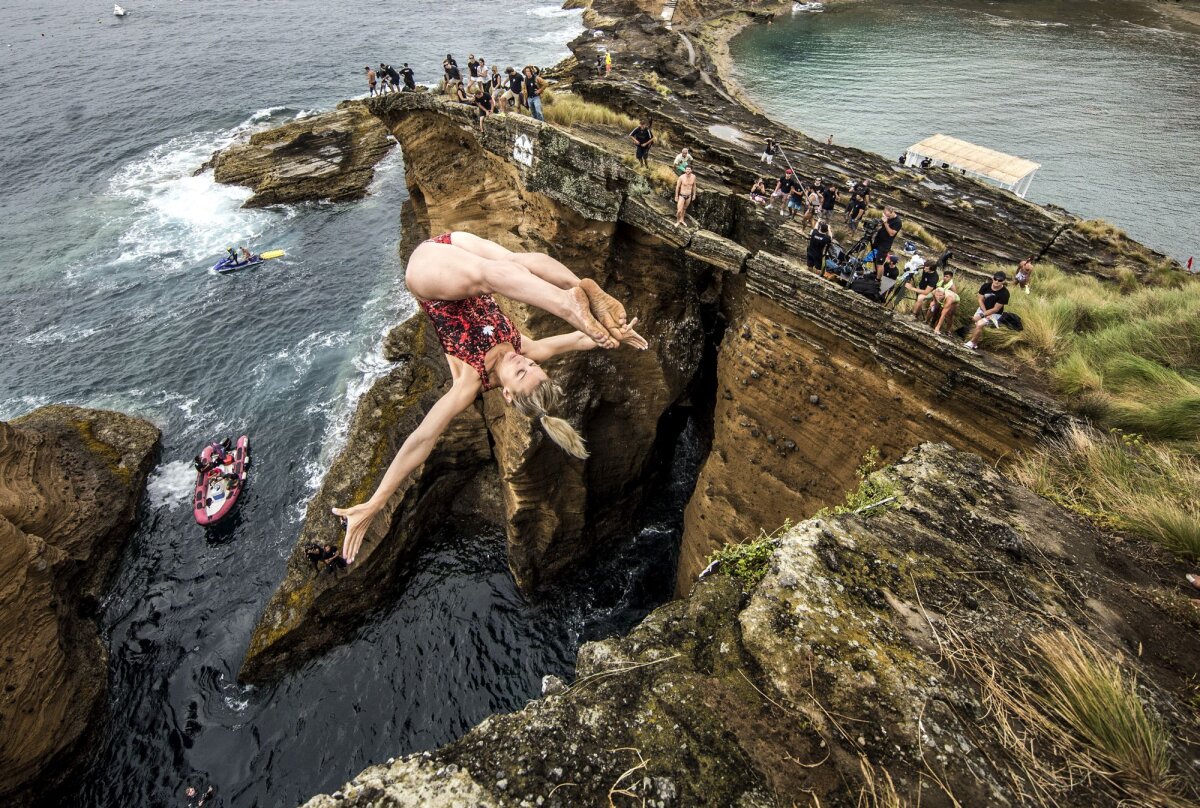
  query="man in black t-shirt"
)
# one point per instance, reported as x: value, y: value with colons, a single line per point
x: 819, y: 244
x: 410, y: 83
x: 881, y: 242
x: 643, y: 139
x: 784, y: 186
x: 829, y: 196
x: 993, y: 297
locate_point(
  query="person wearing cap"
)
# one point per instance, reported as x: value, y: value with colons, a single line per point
x: 784, y: 186
x: 993, y: 297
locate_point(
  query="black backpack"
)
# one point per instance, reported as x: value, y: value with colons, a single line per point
x: 867, y: 286
x: 1010, y: 320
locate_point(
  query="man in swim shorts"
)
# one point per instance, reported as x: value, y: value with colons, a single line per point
x: 685, y: 191
x: 370, y: 79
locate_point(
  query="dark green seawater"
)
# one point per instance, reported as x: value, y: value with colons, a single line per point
x: 1105, y: 95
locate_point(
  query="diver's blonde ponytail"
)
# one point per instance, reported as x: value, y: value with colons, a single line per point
x: 536, y: 403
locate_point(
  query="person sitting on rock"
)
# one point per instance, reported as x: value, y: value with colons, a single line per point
x: 453, y: 278
x: 758, y: 192
x: 943, y: 303
x: 993, y: 297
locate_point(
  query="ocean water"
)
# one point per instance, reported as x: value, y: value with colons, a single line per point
x: 106, y: 237
x: 1102, y: 93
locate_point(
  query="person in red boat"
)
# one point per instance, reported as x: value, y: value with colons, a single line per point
x: 453, y: 278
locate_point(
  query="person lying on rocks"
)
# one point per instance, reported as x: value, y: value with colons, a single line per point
x: 453, y: 278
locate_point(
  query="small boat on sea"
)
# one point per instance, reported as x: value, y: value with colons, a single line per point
x: 221, y: 471
x: 118, y: 11
x: 226, y: 265
x: 797, y: 8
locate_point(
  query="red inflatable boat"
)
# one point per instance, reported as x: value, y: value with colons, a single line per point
x: 220, y: 477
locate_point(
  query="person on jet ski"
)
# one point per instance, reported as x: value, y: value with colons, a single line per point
x: 232, y: 256
x: 247, y: 256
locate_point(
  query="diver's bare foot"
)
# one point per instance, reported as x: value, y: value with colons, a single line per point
x: 579, y: 315
x: 605, y: 308
x: 1194, y: 580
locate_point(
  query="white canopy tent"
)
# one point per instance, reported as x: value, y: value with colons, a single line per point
x: 1012, y: 173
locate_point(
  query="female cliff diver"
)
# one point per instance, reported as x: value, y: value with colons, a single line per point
x: 453, y: 278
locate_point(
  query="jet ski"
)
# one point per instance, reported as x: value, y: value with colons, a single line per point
x: 229, y: 264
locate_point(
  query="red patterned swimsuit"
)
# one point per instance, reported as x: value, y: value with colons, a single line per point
x: 470, y: 327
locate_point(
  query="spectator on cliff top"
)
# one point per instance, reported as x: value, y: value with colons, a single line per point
x: 385, y: 80
x: 944, y: 303
x: 784, y: 185
x: 682, y: 160
x: 410, y: 83
x: 829, y: 197
x: 607, y: 63
x: 643, y: 139
x: 993, y: 297
x: 483, y: 104
x: 458, y: 94
x: 923, y: 286
x: 881, y: 242
x: 510, y: 90
x: 863, y: 189
x: 819, y: 244
x: 758, y: 192
x: 685, y: 192
x: 599, y: 64
x: 534, y: 85
x: 795, y: 203
x: 370, y: 79
x: 812, y: 205
x: 472, y: 66
x: 1024, y: 273
x: 769, y: 151
x: 394, y: 75
x: 856, y: 208
x: 451, y: 69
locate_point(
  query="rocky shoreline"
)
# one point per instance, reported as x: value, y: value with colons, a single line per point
x: 70, y: 483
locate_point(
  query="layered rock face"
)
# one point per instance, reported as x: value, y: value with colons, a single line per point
x: 327, y: 156
x: 697, y: 288
x: 70, y: 481
x: 865, y: 654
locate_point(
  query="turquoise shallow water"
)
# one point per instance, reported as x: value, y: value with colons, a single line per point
x: 1102, y: 94
x: 105, y: 241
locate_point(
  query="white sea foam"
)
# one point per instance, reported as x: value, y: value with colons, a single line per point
x: 19, y: 405
x: 171, y: 484
x: 287, y: 367
x: 560, y: 37
x: 179, y: 218
x: 54, y: 336
x: 551, y: 11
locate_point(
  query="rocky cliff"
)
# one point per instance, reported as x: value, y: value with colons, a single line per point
x: 327, y: 156
x: 883, y: 659
x: 808, y: 375
x: 70, y: 481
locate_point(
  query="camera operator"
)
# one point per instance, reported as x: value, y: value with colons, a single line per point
x: 993, y: 297
x: 881, y: 242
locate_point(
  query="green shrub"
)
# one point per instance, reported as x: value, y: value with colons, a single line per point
x: 749, y: 559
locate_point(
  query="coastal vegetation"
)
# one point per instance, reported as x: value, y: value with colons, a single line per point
x: 1125, y: 356
x: 568, y: 109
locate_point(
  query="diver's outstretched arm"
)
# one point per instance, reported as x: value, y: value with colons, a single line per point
x: 412, y: 453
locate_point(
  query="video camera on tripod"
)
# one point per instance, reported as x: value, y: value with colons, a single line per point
x: 847, y: 265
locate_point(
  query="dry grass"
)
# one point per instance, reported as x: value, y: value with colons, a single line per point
x: 663, y: 176
x: 1121, y: 481
x: 877, y: 792
x: 655, y: 83
x: 1086, y: 690
x: 1068, y: 714
x: 915, y: 230
x: 1128, y: 359
x: 567, y: 109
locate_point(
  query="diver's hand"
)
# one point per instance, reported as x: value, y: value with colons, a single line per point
x: 358, y: 519
x: 627, y: 336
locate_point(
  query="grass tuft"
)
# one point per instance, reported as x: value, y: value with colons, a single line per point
x: 568, y: 109
x: 872, y: 488
x: 1086, y: 689
x: 1121, y: 481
